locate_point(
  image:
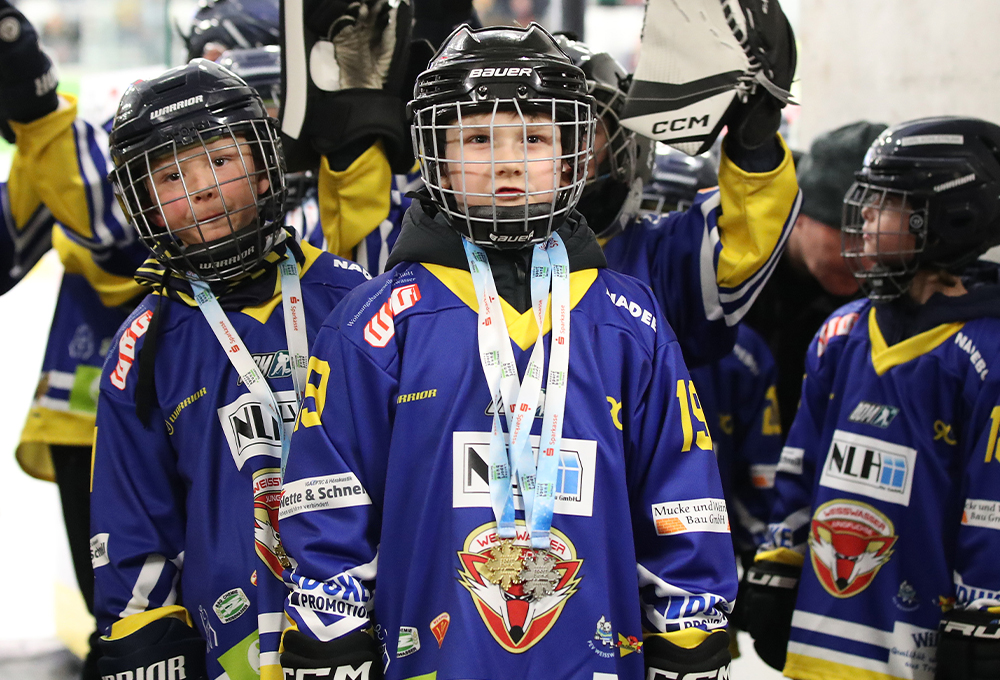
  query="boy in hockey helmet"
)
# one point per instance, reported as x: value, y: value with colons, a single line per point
x: 886, y: 486
x: 457, y: 339
x: 186, y: 466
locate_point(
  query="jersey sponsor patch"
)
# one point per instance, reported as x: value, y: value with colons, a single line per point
x: 322, y: 493
x: 252, y: 431
x: 380, y: 328
x: 574, y: 479
x: 634, y: 309
x: 869, y: 467
x: 231, y: 605
x: 126, y: 348
x: 99, y: 550
x: 838, y: 325
x: 696, y: 515
x: 869, y: 413
x: 849, y: 542
x: 984, y: 514
x: 762, y: 476
x: 409, y: 641
x: 791, y: 460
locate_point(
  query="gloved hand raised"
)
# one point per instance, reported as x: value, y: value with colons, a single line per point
x: 27, y: 77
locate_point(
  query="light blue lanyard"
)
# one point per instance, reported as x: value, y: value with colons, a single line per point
x: 549, y: 267
x: 239, y: 355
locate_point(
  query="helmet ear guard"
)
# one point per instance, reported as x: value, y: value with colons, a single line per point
x: 941, y: 178
x: 502, y: 83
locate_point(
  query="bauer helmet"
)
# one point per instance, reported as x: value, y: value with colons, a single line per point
x: 520, y: 76
x: 613, y: 192
x: 231, y: 24
x: 198, y: 170
x: 927, y: 197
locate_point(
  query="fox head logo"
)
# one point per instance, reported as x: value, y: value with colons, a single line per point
x: 849, y: 542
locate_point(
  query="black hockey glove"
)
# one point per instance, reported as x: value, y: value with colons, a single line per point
x: 769, y: 604
x: 343, y: 82
x: 770, y: 44
x: 707, y: 661
x: 352, y: 656
x: 27, y: 77
x: 969, y: 648
x: 168, y: 644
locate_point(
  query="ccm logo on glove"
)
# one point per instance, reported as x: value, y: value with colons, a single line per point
x: 346, y: 672
x: 714, y: 674
x: 170, y: 669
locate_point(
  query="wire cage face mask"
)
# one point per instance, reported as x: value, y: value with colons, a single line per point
x: 211, y: 209
x: 505, y: 172
x: 884, y: 232
x: 615, y: 156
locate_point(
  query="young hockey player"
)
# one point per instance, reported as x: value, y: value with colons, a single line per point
x: 400, y: 470
x: 202, y: 384
x: 886, y: 520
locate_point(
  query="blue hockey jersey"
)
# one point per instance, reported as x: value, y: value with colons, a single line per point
x: 386, y: 504
x: 740, y: 402
x: 707, y: 264
x: 889, y: 487
x: 184, y: 511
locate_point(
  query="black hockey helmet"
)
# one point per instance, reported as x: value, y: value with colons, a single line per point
x: 612, y: 196
x: 493, y: 71
x: 231, y: 24
x: 938, y: 179
x: 260, y: 68
x: 225, y: 224
x: 676, y: 179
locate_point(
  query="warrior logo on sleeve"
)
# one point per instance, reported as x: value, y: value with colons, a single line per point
x: 515, y: 619
x: 849, y: 541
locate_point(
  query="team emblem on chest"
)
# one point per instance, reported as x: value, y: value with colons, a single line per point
x: 518, y: 592
x: 849, y: 542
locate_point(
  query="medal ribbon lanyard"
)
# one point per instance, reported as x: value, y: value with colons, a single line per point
x: 239, y: 355
x: 537, y: 483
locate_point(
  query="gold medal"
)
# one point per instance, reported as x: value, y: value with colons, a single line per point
x: 539, y: 575
x: 504, y: 566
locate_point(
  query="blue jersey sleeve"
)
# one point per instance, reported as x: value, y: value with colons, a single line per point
x: 687, y: 576
x: 137, y: 495
x: 333, y: 486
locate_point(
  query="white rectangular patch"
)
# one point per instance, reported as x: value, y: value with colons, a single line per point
x: 322, y: 493
x: 574, y: 480
x: 921, y: 140
x: 869, y: 467
x: 791, y: 460
x: 99, y: 550
x: 762, y: 476
x: 251, y: 430
x: 605, y: 676
x: 696, y: 515
x: 984, y: 514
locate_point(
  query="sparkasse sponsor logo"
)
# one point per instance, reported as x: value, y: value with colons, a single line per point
x: 870, y: 467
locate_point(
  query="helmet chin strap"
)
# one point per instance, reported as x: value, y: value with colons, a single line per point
x: 510, y: 226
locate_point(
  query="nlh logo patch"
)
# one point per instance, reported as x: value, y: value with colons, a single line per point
x: 870, y: 467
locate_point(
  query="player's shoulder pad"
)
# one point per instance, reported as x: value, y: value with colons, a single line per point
x: 369, y: 313
x: 331, y: 269
x: 628, y: 302
x: 977, y: 347
x: 839, y: 325
x: 120, y: 365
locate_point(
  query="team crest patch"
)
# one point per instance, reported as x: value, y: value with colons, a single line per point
x: 849, y: 542
x: 266, y: 504
x: 515, y: 620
